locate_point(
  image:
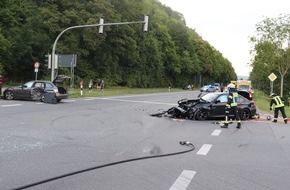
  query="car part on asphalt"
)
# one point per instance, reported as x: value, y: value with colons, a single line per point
x: 49, y: 98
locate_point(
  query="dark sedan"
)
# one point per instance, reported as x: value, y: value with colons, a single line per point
x: 36, y: 90
x: 211, y: 105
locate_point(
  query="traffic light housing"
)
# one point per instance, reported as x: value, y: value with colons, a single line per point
x: 146, y: 23
x: 101, y: 27
x: 48, y: 60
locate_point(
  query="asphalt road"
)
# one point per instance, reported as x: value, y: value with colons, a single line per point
x: 41, y: 141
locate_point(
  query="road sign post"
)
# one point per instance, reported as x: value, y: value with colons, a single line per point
x: 36, y: 66
x: 272, y: 77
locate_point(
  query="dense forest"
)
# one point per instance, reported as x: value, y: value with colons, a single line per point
x: 123, y: 55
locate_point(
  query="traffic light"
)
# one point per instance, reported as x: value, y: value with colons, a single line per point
x: 101, y: 27
x: 146, y: 23
x: 48, y: 60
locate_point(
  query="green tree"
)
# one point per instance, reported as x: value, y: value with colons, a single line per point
x: 124, y: 55
x: 275, y: 31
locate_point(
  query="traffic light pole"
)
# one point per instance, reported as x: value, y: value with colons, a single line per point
x: 145, y: 22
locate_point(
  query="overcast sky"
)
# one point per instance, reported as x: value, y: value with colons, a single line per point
x: 228, y: 24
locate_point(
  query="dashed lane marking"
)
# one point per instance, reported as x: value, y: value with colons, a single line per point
x: 216, y: 132
x: 183, y: 180
x: 204, y: 149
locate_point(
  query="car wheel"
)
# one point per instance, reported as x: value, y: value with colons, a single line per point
x: 245, y: 114
x: 201, y: 114
x: 190, y: 114
x: 9, y: 95
x: 171, y: 112
x: 42, y: 97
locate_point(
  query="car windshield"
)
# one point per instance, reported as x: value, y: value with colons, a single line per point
x: 210, y: 97
x: 28, y: 84
x: 243, y: 87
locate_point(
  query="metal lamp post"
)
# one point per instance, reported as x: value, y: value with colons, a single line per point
x: 101, y: 24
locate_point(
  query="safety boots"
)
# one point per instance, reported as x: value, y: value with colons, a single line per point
x: 225, y: 125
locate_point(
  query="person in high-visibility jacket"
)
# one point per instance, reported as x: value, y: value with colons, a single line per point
x: 279, y: 105
x: 232, y: 105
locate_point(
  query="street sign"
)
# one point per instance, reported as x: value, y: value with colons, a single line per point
x: 272, y: 77
x: 67, y: 60
x: 36, y: 65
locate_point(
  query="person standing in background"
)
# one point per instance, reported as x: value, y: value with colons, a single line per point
x: 90, y: 85
x: 102, y: 85
x: 222, y: 88
x: 1, y: 81
x: 99, y: 85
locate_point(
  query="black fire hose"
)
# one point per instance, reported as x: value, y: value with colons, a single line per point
x: 184, y: 143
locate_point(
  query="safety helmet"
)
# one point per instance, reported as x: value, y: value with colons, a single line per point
x: 231, y: 85
x: 273, y: 94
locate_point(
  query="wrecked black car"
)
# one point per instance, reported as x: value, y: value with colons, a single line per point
x: 210, y: 106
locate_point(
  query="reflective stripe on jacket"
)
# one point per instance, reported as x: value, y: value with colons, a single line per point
x: 278, y: 102
x: 233, y: 99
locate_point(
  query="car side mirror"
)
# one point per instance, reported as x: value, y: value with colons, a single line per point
x: 218, y: 101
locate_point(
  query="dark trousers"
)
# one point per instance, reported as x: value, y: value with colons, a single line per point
x: 234, y: 109
x: 276, y: 113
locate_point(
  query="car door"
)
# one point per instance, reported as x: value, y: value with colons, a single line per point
x: 49, y: 87
x: 24, y: 91
x: 218, y: 107
x: 37, y: 89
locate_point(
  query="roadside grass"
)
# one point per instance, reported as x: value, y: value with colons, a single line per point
x: 262, y: 101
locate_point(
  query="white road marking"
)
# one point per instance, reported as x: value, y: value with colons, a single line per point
x: 144, y: 102
x: 216, y: 132
x: 204, y: 149
x: 183, y: 180
x: 68, y: 100
x: 89, y: 99
x: 11, y: 105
